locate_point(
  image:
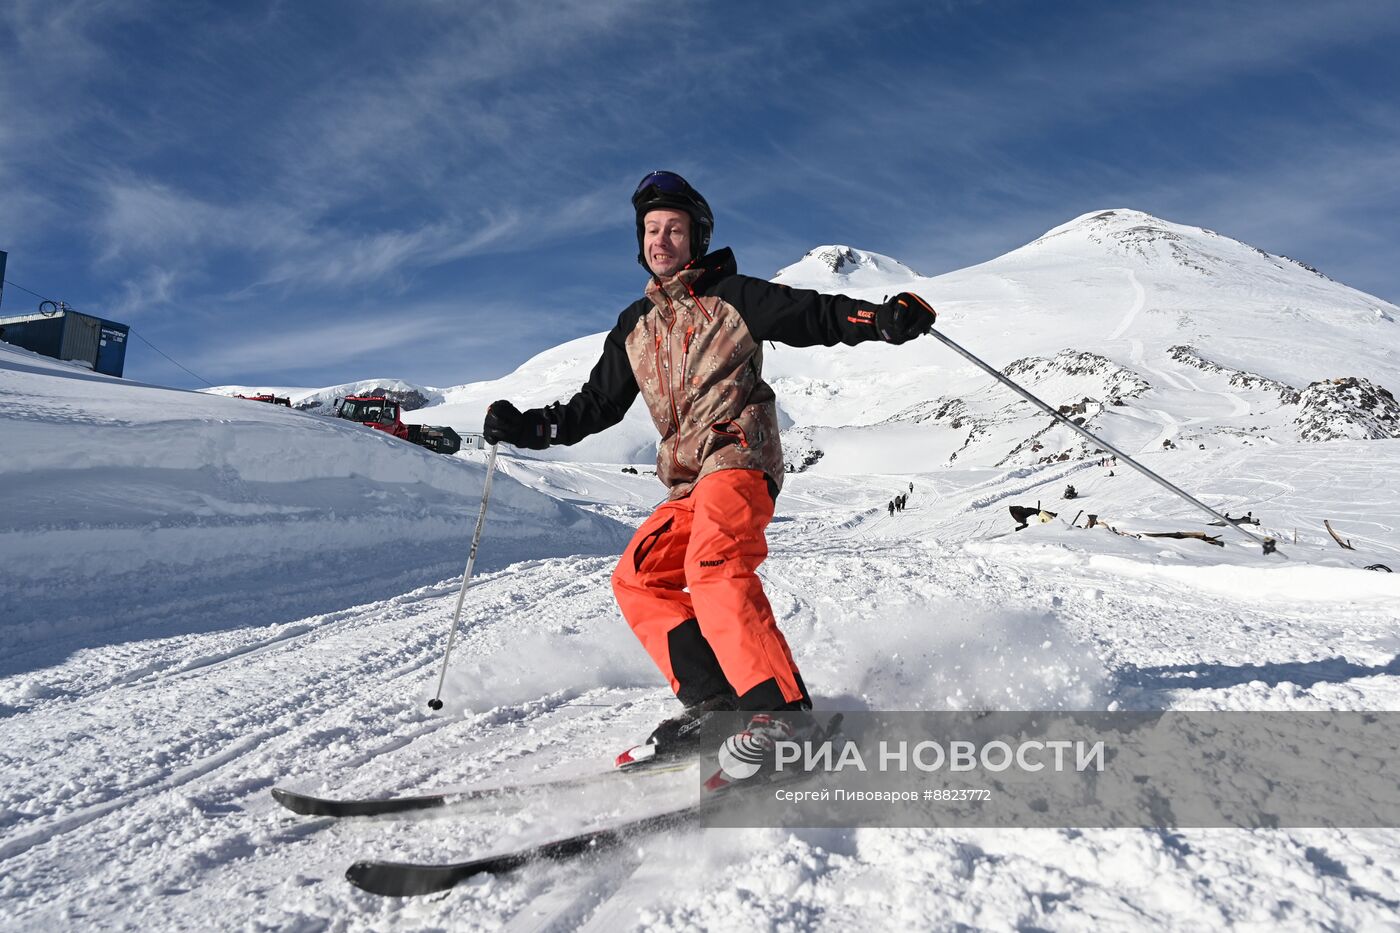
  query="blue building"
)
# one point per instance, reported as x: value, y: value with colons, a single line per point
x: 68, y: 335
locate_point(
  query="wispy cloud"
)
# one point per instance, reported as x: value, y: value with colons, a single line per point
x: 145, y: 222
x: 49, y: 50
x: 447, y: 341
x: 404, y: 166
x: 153, y: 288
x: 286, y: 162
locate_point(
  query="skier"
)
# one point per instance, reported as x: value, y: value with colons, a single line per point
x: 911, y: 487
x: 687, y: 583
x: 891, y: 508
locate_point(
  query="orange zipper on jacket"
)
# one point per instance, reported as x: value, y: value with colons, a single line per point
x: 698, y: 303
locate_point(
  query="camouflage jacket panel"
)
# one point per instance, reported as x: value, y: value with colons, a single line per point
x: 700, y: 372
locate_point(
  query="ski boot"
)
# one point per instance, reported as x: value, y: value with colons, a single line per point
x: 697, y: 729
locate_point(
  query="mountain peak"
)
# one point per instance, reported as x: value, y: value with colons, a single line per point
x: 844, y: 266
x: 1141, y: 238
x: 1115, y: 222
x: 842, y: 259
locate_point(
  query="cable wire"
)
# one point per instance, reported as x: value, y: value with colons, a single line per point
x: 130, y: 330
x: 167, y: 356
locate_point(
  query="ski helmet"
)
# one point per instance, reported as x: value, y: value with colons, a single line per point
x: 660, y: 190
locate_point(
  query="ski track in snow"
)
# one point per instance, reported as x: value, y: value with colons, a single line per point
x: 1171, y: 426
x: 147, y: 796
x: 1129, y: 316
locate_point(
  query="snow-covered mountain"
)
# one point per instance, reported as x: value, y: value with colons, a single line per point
x: 846, y: 268
x: 1157, y: 333
x: 323, y: 401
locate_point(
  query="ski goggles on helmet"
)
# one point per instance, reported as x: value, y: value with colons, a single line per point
x: 661, y: 183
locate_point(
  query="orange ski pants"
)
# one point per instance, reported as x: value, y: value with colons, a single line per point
x: 688, y: 586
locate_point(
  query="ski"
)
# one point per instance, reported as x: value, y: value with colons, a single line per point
x: 406, y: 879
x: 311, y: 805
x: 403, y: 879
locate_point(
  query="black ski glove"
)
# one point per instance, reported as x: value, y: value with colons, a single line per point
x: 904, y: 317
x: 505, y: 422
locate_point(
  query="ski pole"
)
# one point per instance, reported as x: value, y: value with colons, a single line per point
x: 436, y: 702
x: 1266, y: 543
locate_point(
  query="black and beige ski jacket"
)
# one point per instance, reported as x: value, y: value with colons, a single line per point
x: 693, y: 348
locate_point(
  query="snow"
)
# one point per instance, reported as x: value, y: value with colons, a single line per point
x: 117, y: 491
x: 1119, y: 284
x: 205, y: 597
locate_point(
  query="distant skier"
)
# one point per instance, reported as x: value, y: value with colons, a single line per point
x: 891, y: 508
x: 687, y: 583
x: 911, y: 487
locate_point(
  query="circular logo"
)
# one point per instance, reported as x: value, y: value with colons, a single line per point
x: 742, y: 755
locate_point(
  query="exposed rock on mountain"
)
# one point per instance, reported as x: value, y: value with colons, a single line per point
x: 411, y: 397
x: 1003, y: 428
x: 1116, y: 382
x: 843, y: 266
x: 1238, y: 378
x: 1347, y: 408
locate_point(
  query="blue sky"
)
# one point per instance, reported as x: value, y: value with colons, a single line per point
x: 306, y: 193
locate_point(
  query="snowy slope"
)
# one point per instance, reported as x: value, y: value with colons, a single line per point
x: 206, y: 597
x: 555, y: 374
x: 548, y: 680
x: 117, y: 490
x: 1217, y: 337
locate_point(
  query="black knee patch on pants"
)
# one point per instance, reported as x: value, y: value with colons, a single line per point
x: 694, y: 665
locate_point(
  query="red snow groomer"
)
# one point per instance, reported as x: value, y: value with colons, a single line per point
x: 385, y: 414
x: 374, y: 411
x: 270, y: 399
